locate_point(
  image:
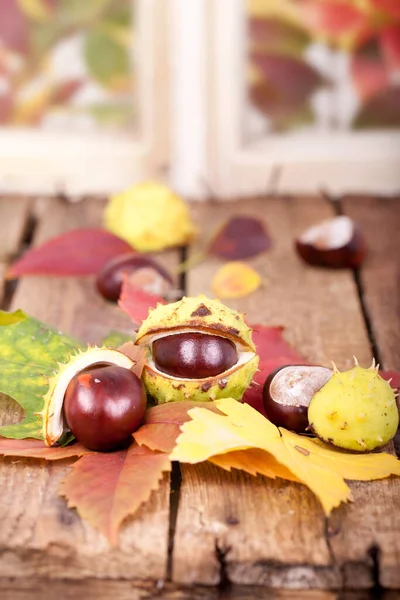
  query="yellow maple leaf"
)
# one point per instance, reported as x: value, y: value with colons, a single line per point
x: 241, y: 427
x: 253, y: 461
x: 234, y: 280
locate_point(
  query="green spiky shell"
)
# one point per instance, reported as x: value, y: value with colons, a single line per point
x: 231, y: 384
x: 355, y: 410
x: 53, y: 424
x: 200, y: 312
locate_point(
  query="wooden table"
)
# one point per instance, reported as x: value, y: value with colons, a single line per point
x: 207, y: 534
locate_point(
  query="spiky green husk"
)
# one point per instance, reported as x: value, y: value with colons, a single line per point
x: 355, y: 410
x: 53, y: 424
x: 197, y: 313
x: 232, y: 384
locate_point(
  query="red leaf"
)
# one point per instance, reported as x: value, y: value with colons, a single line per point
x: 332, y: 17
x: 381, y: 110
x: 77, y: 252
x: 37, y: 449
x: 107, y: 487
x: 14, y: 27
x: 394, y: 376
x: 241, y: 237
x: 66, y: 90
x: 274, y: 352
x: 369, y: 75
x: 269, y: 34
x: 163, y: 422
x: 136, y: 302
x: 391, y: 7
x: 390, y: 44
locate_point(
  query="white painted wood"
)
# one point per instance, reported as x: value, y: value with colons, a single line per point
x: 34, y: 161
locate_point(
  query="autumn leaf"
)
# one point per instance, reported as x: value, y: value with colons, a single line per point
x: 253, y: 461
x: 241, y: 237
x: 319, y: 467
x: 274, y: 352
x: 234, y: 280
x: 30, y: 448
x: 369, y: 75
x: 272, y: 35
x: 393, y: 377
x: 381, y: 110
x: 135, y: 302
x: 390, y: 45
x: 391, y: 7
x: 106, y: 488
x: 29, y: 352
x: 77, y: 252
x: 14, y: 27
x: 107, y: 59
x: 162, y: 424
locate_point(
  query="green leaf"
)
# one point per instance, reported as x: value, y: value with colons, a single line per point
x: 29, y: 351
x: 107, y: 59
x: 115, y: 339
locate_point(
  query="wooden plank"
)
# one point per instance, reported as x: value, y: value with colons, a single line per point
x: 380, y: 275
x: 274, y: 533
x: 39, y: 535
x: 14, y: 212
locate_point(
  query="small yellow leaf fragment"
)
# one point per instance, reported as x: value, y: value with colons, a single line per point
x: 235, y: 279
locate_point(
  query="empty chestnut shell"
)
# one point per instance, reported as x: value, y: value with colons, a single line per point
x: 194, y: 355
x: 336, y: 243
x: 109, y: 279
x: 288, y: 392
x: 103, y: 406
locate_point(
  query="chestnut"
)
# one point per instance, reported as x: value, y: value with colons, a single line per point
x: 336, y: 243
x: 288, y: 392
x: 194, y: 355
x: 110, y: 277
x: 103, y: 406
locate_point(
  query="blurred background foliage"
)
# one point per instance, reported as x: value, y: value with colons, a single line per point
x: 66, y: 63
x: 305, y: 54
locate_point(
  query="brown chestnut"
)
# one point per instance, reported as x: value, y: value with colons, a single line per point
x: 336, y: 243
x: 194, y: 355
x: 288, y: 392
x: 109, y: 279
x: 103, y: 406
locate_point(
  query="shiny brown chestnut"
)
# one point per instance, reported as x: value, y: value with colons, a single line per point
x: 288, y: 392
x: 109, y: 279
x: 103, y: 406
x: 194, y: 355
x: 336, y: 243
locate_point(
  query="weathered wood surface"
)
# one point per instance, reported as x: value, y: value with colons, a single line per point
x: 274, y: 533
x: 252, y: 535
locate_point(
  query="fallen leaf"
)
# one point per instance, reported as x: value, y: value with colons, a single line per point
x: 274, y: 352
x: 30, y: 448
x: 393, y: 377
x: 162, y: 424
x: 107, y: 59
x: 241, y: 237
x: 77, y: 252
x: 136, y: 302
x: 272, y: 35
x: 234, y: 280
x: 369, y: 75
x: 391, y: 7
x: 253, y: 461
x: 106, y: 488
x: 390, y: 45
x: 137, y: 354
x: 29, y: 352
x: 14, y: 27
x: 240, y: 427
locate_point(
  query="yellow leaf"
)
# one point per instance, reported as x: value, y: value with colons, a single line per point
x: 37, y: 10
x: 240, y: 427
x: 235, y: 279
x: 253, y: 461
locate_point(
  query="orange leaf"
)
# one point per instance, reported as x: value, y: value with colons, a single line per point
x: 162, y: 424
x: 135, y: 302
x: 234, y: 280
x: 36, y: 449
x: 106, y: 488
x: 137, y: 354
x: 253, y: 461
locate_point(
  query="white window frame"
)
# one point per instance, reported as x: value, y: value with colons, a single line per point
x: 37, y: 161
x: 222, y: 163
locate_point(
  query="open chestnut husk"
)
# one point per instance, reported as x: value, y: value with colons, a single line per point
x: 288, y: 392
x: 337, y: 243
x: 149, y: 274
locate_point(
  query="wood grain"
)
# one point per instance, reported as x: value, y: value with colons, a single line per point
x: 39, y: 535
x: 379, y: 219
x: 284, y: 540
x: 14, y: 212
